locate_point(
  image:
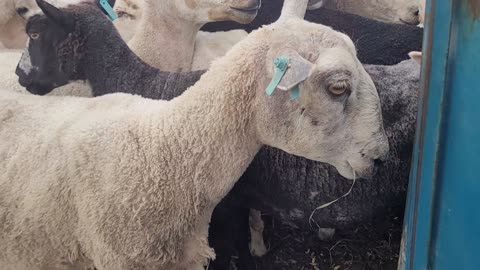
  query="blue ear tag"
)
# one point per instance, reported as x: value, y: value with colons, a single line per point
x: 281, y: 66
x: 108, y: 9
x: 295, y: 92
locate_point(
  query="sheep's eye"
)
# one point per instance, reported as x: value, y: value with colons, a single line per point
x: 339, y: 88
x: 34, y: 35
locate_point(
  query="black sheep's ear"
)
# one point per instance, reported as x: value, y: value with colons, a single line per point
x: 57, y: 15
x: 106, y: 6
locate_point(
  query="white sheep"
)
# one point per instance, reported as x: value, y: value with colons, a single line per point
x: 158, y: 42
x: 121, y: 182
x: 13, y: 16
x: 12, y: 25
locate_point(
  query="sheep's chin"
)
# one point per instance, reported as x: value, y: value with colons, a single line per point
x: 346, y: 170
x: 243, y: 17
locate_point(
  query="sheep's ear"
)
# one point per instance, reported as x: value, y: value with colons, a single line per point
x: 57, y: 15
x: 416, y: 56
x: 298, y: 70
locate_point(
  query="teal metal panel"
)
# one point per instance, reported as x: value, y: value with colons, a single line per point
x: 442, y: 224
x: 456, y: 233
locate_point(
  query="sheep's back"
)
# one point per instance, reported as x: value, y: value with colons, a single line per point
x: 377, y: 42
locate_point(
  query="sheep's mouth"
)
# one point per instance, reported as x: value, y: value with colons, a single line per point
x: 409, y: 23
x: 248, y: 10
x: 244, y: 15
x: 365, y: 169
x: 39, y: 90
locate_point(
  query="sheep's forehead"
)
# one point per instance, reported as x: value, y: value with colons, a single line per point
x: 336, y: 57
x: 306, y: 32
x: 338, y: 45
x: 26, y: 3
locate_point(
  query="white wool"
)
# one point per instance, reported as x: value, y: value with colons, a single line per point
x: 158, y: 24
x: 210, y: 46
x: 8, y: 63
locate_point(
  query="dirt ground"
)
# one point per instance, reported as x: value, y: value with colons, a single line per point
x: 370, y: 246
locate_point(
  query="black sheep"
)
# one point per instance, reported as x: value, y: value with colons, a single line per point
x: 377, y: 43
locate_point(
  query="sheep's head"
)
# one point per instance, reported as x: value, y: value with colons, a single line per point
x: 337, y: 116
x: 52, y: 54
x: 204, y: 11
x: 393, y: 11
x: 409, y: 12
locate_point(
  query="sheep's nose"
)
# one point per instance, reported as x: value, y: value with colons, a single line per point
x: 378, y: 162
x: 411, y: 15
x: 23, y: 79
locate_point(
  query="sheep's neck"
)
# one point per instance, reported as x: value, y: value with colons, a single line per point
x: 109, y: 68
x: 205, y: 140
x: 218, y: 136
x: 164, y: 42
x: 215, y: 123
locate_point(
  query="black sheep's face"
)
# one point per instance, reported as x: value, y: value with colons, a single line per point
x: 40, y: 69
x: 45, y: 63
x: 52, y: 55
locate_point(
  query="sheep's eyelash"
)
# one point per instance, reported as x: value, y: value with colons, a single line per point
x: 334, y: 75
x: 33, y: 31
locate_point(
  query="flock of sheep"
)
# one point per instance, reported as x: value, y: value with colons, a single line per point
x: 192, y: 134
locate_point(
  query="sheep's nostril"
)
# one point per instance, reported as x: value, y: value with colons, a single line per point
x: 377, y: 162
x: 417, y: 13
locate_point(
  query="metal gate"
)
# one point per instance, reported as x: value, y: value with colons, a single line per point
x: 442, y: 221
